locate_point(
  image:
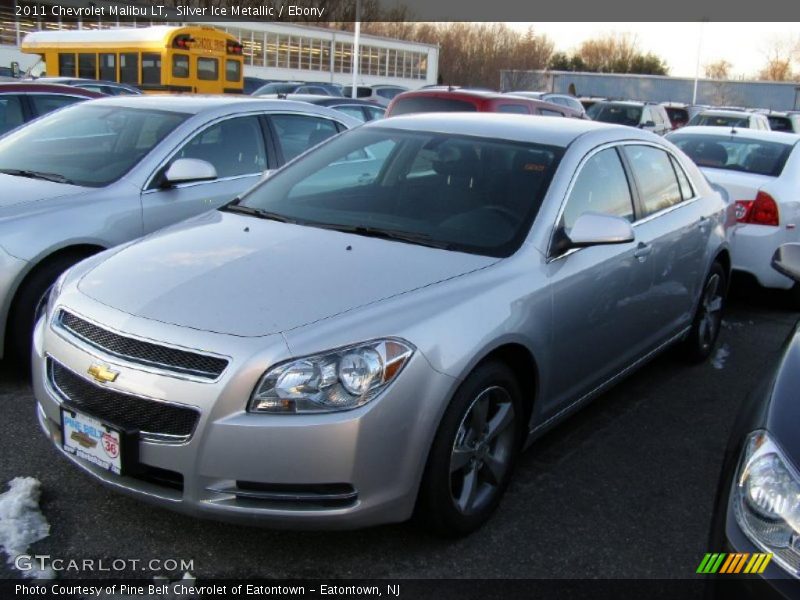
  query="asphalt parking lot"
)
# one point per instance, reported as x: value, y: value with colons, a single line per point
x: 623, y: 489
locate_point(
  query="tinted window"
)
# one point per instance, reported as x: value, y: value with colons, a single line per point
x: 298, y: 133
x: 151, y: 69
x: 514, y: 108
x: 550, y: 113
x: 108, y: 67
x: 66, y: 64
x: 10, y: 112
x: 45, y: 103
x: 234, y: 146
x: 421, y: 104
x: 208, y: 69
x: 478, y: 195
x: 683, y: 181
x: 601, y: 187
x: 678, y: 116
x: 129, y: 68
x: 374, y: 112
x: 353, y: 111
x: 180, y: 65
x: 658, y: 185
x: 388, y: 93
x: 87, y: 66
x: 233, y: 70
x: 719, y: 121
x: 87, y: 144
x: 620, y: 114
x: 734, y: 153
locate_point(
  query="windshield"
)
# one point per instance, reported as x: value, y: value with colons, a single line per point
x: 619, y: 114
x: 777, y: 123
x: 277, y: 88
x: 85, y: 144
x: 719, y: 121
x: 461, y: 193
x: 677, y: 115
x: 422, y: 104
x: 734, y: 153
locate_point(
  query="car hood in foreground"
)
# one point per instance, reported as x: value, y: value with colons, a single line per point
x: 245, y: 276
x: 21, y: 190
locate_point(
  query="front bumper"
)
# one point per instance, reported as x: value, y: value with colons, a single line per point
x: 752, y: 247
x: 329, y: 471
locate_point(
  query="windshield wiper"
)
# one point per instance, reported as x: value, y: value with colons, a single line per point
x: 421, y: 239
x: 256, y: 212
x: 56, y: 177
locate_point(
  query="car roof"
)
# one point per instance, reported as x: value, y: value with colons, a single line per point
x: 50, y: 88
x: 320, y: 99
x: 761, y: 135
x: 626, y: 102
x: 521, y: 128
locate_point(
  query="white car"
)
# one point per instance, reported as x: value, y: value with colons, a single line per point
x: 760, y: 171
x: 730, y: 118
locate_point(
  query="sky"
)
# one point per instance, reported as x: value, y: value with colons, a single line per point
x: 745, y: 45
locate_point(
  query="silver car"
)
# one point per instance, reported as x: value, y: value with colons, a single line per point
x: 102, y: 173
x: 384, y: 323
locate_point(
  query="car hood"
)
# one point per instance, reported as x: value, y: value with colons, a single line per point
x: 244, y: 276
x: 21, y: 190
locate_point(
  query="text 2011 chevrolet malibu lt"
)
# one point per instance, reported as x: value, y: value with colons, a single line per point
x: 382, y: 325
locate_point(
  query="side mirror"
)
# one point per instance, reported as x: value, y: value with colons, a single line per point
x: 188, y: 170
x: 596, y: 229
x: 786, y: 261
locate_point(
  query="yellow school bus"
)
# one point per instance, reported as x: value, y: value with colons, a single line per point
x: 161, y: 58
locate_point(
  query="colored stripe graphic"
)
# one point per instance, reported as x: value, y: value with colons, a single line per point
x: 734, y: 563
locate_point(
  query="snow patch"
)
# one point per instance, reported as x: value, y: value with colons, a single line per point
x: 22, y: 523
x: 720, y: 356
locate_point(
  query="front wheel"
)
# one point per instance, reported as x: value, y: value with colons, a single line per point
x: 473, y: 453
x: 707, y: 322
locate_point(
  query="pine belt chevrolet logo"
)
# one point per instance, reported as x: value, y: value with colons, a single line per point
x: 102, y: 374
x: 734, y: 563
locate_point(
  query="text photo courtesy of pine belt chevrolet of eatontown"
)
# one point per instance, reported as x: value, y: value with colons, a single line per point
x: 271, y: 282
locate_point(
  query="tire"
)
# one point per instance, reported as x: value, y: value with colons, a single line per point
x: 470, y: 462
x: 32, y: 293
x: 703, y: 335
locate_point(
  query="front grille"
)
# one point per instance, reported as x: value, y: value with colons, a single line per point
x: 148, y: 353
x: 150, y: 417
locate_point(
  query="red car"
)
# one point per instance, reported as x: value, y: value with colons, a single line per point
x: 23, y: 102
x: 461, y: 100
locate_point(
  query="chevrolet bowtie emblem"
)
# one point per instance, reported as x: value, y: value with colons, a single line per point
x: 102, y: 373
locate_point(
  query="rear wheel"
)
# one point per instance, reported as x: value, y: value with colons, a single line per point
x: 474, y: 452
x: 707, y: 323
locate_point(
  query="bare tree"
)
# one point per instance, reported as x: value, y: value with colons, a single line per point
x: 719, y: 69
x: 780, y: 57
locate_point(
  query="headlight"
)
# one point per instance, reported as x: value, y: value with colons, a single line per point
x: 52, y: 295
x: 767, y: 500
x: 336, y: 380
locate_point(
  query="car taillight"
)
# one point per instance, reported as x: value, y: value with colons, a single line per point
x: 761, y: 211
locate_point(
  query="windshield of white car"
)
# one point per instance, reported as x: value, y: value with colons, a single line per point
x: 734, y: 152
x: 85, y: 144
x: 719, y: 121
x: 461, y: 193
x: 619, y: 114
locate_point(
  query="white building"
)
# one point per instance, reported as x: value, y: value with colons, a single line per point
x: 281, y: 51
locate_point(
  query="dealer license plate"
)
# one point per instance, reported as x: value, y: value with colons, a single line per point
x: 92, y: 440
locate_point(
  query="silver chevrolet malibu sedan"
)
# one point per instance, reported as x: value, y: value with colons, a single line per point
x: 380, y: 327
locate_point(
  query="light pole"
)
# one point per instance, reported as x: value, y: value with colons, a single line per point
x: 356, y: 57
x: 697, y: 65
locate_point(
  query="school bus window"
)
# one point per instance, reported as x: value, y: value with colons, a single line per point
x: 108, y: 67
x: 180, y: 65
x: 66, y: 64
x: 87, y: 66
x: 233, y: 70
x: 151, y: 69
x: 207, y: 69
x: 129, y: 68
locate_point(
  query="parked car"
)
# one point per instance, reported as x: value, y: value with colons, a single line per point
x: 781, y: 121
x: 384, y: 323
x: 678, y: 114
x: 363, y: 110
x: 107, y: 88
x: 756, y: 511
x: 379, y: 94
x: 730, y: 119
x: 298, y: 87
x: 760, y: 171
x: 452, y: 100
x: 644, y: 115
x: 23, y: 102
x: 251, y: 84
x: 102, y: 173
x: 570, y: 102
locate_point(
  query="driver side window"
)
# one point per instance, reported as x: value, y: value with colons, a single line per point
x: 600, y: 187
x: 234, y: 146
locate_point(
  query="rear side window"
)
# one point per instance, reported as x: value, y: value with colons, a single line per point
x: 207, y: 69
x: 517, y: 109
x: 601, y: 187
x: 10, y: 112
x: 683, y: 181
x: 734, y: 153
x: 45, y: 103
x: 353, y: 111
x: 658, y: 184
x: 550, y: 113
x: 298, y: 133
x: 405, y: 106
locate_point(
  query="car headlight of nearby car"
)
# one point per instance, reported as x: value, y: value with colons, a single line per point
x: 767, y: 500
x: 335, y: 380
x: 53, y: 293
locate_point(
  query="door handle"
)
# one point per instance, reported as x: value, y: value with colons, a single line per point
x: 643, y: 251
x: 703, y: 224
